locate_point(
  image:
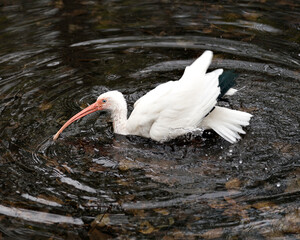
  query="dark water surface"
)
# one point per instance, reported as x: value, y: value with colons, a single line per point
x: 56, y: 57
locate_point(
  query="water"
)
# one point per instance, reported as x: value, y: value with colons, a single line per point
x: 56, y: 57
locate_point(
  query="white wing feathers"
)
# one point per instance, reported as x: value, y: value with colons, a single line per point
x: 198, y: 68
x: 177, y: 107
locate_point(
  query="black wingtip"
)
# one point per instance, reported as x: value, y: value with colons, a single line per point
x: 226, y: 81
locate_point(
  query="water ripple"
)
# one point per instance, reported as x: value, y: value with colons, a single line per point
x: 178, y: 201
x: 252, y: 25
x: 36, y: 216
x: 261, y: 68
x: 215, y: 44
x: 40, y: 200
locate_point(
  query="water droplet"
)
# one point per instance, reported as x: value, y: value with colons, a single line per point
x: 53, y: 64
x: 241, y: 161
x: 266, y: 169
x: 220, y: 157
x: 28, y: 74
x: 278, y: 184
x: 221, y: 147
x: 230, y: 150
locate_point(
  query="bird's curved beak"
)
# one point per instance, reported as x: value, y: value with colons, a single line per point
x: 90, y: 109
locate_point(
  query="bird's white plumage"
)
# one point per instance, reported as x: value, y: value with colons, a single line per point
x: 175, y: 107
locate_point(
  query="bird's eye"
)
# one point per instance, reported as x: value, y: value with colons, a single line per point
x: 104, y: 101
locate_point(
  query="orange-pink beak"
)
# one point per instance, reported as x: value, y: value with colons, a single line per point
x: 90, y: 109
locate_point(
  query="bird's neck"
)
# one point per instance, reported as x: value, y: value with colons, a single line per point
x: 119, y: 118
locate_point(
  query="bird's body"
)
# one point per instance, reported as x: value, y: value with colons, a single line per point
x: 174, y: 108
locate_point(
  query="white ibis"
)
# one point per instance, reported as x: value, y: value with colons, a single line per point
x: 174, y: 108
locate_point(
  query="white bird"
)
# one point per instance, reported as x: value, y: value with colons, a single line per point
x: 174, y: 108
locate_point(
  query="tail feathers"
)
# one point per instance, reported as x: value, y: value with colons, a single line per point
x: 227, y: 123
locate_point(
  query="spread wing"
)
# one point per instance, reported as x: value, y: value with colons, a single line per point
x: 177, y: 107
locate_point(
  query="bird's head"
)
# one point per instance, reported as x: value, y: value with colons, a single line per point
x: 111, y: 101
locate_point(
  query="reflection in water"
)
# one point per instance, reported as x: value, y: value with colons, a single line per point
x: 56, y: 57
